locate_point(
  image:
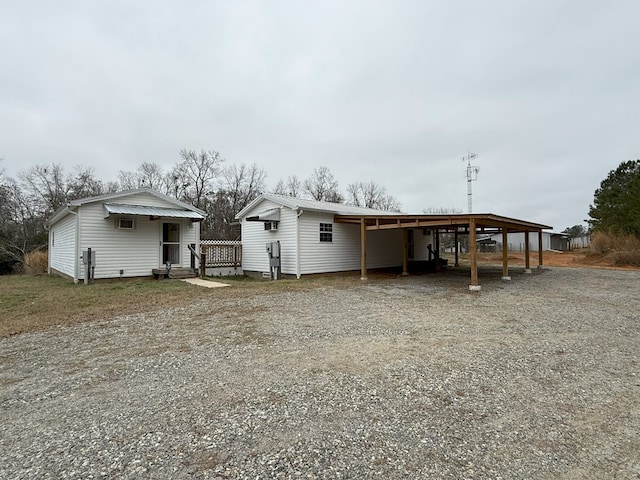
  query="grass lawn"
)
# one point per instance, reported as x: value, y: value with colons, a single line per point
x: 30, y: 303
x: 33, y: 302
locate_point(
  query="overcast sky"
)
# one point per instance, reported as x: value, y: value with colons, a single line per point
x: 547, y: 93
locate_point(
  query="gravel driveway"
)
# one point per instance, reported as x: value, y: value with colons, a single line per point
x: 410, y: 377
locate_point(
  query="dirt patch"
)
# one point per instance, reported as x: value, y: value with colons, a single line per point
x: 576, y: 259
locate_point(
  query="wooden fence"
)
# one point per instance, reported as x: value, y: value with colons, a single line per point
x: 221, y: 253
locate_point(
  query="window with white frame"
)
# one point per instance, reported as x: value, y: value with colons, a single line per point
x: 126, y: 224
x: 326, y: 232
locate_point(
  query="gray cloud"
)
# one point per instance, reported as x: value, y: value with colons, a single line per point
x: 396, y: 92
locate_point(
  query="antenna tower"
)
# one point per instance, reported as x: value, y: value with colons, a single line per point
x: 472, y: 175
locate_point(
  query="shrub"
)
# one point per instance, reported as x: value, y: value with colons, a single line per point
x: 620, y: 248
x: 36, y: 262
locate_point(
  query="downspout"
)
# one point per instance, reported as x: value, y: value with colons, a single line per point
x: 300, y: 212
x: 77, y: 249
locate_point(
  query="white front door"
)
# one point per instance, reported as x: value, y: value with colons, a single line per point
x: 171, y: 243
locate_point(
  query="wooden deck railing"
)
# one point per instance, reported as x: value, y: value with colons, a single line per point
x: 221, y: 253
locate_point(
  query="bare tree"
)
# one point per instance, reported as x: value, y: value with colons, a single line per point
x: 323, y: 186
x: 21, y: 224
x: 152, y: 176
x: 46, y: 186
x: 149, y: 175
x: 239, y: 185
x: 84, y: 184
x: 292, y: 187
x: 194, y: 176
x: 243, y: 183
x: 371, y: 195
x: 441, y: 210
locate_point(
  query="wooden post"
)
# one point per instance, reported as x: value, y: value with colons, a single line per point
x: 527, y: 268
x: 437, y: 249
x: 473, y: 257
x: 203, y: 265
x: 505, y: 255
x: 87, y: 275
x: 363, y: 249
x: 405, y: 251
x: 455, y: 235
x: 540, y: 249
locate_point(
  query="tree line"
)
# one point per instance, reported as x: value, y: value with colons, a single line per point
x: 202, y: 178
x: 207, y: 181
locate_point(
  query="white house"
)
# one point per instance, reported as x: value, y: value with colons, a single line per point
x: 130, y: 233
x: 312, y: 242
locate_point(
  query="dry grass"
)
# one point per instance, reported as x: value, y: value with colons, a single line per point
x: 35, y: 262
x: 30, y: 303
x: 620, y: 249
x: 34, y: 302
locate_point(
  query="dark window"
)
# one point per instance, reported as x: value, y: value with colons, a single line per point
x: 125, y: 223
x: 326, y: 232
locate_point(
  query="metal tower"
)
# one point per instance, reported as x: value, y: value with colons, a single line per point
x: 472, y: 174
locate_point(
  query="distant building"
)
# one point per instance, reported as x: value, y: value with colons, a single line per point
x: 515, y: 242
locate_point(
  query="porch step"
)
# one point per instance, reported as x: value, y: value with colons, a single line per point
x: 175, y: 272
x: 182, y: 272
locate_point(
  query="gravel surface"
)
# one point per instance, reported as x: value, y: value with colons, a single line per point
x: 411, y: 377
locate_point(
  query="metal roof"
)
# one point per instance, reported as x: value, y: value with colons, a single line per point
x: 315, y: 205
x: 73, y: 205
x: 124, y: 209
x: 271, y: 215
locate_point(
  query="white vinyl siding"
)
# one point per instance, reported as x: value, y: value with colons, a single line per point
x: 342, y: 253
x: 62, y: 250
x: 137, y: 251
x: 384, y: 248
x: 255, y: 239
x: 421, y: 240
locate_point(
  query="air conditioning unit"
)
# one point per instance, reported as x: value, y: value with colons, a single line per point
x: 271, y: 226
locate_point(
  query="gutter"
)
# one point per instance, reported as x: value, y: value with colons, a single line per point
x: 300, y: 212
x: 77, y: 249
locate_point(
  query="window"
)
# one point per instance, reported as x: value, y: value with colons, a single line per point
x: 125, y: 223
x: 271, y: 226
x: 326, y: 232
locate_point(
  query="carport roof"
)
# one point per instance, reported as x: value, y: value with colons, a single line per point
x: 445, y: 222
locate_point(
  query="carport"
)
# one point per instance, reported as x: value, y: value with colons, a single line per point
x: 459, y: 224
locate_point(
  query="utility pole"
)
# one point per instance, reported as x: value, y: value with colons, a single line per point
x: 472, y: 174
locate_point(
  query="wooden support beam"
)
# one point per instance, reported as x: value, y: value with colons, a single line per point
x: 397, y: 223
x: 505, y: 255
x: 455, y: 236
x: 405, y: 252
x: 473, y: 256
x: 527, y: 252
x: 539, y: 248
x: 437, y: 249
x: 363, y: 249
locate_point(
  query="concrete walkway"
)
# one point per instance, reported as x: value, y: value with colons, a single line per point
x: 204, y: 283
